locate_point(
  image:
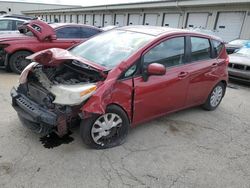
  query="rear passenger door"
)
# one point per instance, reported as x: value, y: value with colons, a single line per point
x: 202, y: 70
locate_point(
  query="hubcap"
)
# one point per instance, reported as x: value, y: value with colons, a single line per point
x: 105, y: 127
x: 216, y: 96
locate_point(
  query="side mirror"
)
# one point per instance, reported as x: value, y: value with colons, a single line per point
x: 156, y: 69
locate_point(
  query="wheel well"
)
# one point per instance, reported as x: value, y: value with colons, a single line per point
x: 21, y: 50
x: 225, y: 84
x: 119, y: 106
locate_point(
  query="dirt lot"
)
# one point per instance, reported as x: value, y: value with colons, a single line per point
x: 191, y: 148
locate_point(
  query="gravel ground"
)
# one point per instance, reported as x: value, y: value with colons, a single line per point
x: 191, y: 148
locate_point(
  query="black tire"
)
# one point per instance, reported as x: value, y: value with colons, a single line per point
x: 208, y: 104
x: 7, y: 68
x: 119, y: 134
x: 18, y: 62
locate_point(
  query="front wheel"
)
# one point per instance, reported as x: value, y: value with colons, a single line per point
x: 215, y: 97
x: 18, y: 61
x: 107, y: 130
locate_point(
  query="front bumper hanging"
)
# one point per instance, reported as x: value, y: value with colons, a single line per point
x: 43, y: 120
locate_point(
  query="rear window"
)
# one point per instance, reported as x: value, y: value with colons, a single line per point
x: 201, y: 49
x: 217, y: 47
x: 69, y: 32
x: 89, y: 32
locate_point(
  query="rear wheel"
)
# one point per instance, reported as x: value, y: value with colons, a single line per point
x: 215, y: 97
x: 107, y: 130
x: 18, y: 61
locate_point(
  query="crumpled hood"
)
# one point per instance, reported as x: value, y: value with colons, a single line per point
x: 57, y: 56
x: 239, y: 59
x: 14, y: 37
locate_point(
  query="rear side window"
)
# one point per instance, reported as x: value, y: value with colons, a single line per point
x: 5, y: 25
x: 89, y: 32
x: 217, y: 47
x: 201, y: 49
x: 169, y: 53
x: 69, y: 32
x: 17, y: 24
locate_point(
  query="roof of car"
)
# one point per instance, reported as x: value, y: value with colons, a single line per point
x: 56, y: 25
x: 156, y: 30
x: 23, y: 17
x: 8, y: 18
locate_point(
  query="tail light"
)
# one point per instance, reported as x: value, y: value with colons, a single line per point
x: 227, y: 60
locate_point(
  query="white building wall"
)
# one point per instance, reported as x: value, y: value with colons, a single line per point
x: 122, y: 13
x: 18, y: 7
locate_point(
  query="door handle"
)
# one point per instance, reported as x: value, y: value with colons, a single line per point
x: 214, y: 65
x: 183, y: 75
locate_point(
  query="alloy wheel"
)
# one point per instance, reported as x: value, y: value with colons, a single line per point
x: 106, y: 128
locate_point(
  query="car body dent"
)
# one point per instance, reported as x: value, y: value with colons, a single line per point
x: 107, y: 93
x: 56, y: 56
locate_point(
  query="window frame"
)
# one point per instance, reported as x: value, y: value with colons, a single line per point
x: 189, y: 44
x: 79, y: 28
x: 215, y: 55
x: 184, y: 56
x: 140, y: 61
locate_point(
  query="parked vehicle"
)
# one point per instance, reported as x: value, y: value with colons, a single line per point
x: 239, y: 65
x: 23, y: 17
x: 10, y: 25
x: 235, y: 45
x: 37, y: 35
x: 109, y: 27
x: 119, y: 79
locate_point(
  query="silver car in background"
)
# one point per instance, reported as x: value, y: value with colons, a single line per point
x: 235, y: 45
x: 9, y: 23
x: 239, y: 65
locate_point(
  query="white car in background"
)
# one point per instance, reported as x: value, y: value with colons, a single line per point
x: 10, y: 25
x: 239, y: 64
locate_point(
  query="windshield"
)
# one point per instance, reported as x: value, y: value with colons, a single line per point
x: 244, y: 51
x: 111, y: 48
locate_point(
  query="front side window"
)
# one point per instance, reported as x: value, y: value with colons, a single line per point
x: 5, y: 25
x: 69, y: 32
x: 169, y: 53
x: 200, y: 49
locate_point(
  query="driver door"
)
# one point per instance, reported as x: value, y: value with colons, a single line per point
x: 166, y: 93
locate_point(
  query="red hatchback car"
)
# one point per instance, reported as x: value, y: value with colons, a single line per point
x: 119, y: 79
x: 37, y: 35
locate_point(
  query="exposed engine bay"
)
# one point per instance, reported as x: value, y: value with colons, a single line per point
x: 70, y: 83
x: 60, y: 90
x: 68, y: 73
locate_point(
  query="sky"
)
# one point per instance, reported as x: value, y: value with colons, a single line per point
x: 81, y: 2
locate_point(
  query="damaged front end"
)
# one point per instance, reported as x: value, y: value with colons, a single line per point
x: 50, y: 96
